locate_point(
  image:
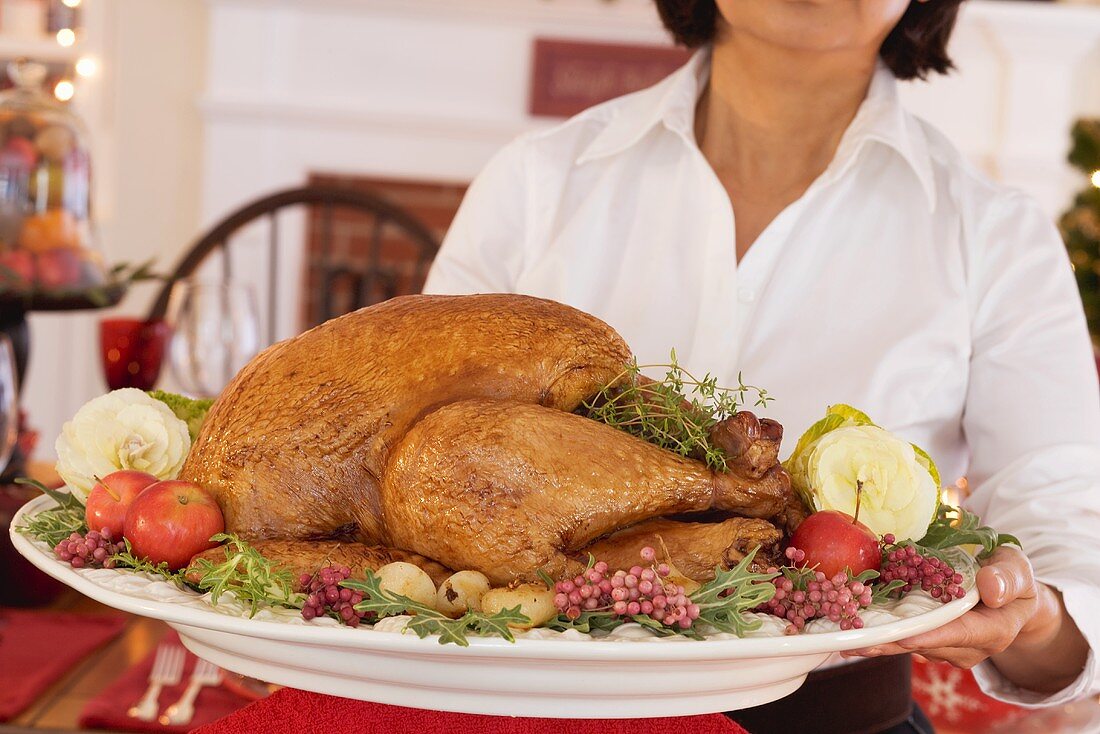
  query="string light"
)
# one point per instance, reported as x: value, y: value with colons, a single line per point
x: 1095, y: 178
x: 64, y: 90
x: 66, y: 37
x: 86, y: 66
x: 71, y: 3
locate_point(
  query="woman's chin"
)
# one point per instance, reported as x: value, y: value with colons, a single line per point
x: 813, y: 25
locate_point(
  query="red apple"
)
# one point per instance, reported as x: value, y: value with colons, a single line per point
x: 18, y: 268
x: 59, y: 269
x: 110, y: 498
x: 171, y: 521
x: 834, y: 541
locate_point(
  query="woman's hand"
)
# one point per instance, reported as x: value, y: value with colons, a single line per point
x: 1020, y: 623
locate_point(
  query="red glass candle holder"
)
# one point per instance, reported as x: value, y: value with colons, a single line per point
x: 132, y: 351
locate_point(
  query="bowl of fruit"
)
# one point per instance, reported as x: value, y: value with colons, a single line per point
x: 49, y: 259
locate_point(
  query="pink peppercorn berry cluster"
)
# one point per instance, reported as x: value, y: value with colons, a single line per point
x: 628, y: 593
x: 94, y: 549
x: 905, y: 563
x: 324, y: 595
x: 810, y: 595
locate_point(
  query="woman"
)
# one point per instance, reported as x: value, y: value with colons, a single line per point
x: 771, y: 209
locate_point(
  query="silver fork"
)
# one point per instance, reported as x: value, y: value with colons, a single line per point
x: 167, y: 669
x: 181, y: 712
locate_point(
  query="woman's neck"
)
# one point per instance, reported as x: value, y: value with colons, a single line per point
x: 771, y: 119
x: 769, y: 111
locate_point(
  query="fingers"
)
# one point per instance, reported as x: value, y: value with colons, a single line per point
x: 960, y: 657
x: 967, y: 641
x: 953, y: 634
x: 1005, y: 577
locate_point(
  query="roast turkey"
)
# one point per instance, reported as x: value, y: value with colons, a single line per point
x: 444, y: 426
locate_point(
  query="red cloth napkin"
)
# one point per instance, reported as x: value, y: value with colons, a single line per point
x: 38, y: 648
x: 953, y: 701
x: 305, y: 713
x: 108, y: 709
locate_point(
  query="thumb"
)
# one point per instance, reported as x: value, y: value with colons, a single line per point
x: 1007, y: 578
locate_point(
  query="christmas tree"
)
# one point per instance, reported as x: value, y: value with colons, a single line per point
x: 1081, y: 224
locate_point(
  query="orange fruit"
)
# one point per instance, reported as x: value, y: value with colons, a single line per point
x: 50, y: 230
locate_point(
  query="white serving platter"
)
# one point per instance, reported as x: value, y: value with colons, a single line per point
x: 570, y: 675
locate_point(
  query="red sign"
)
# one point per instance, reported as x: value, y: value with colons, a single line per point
x: 570, y: 76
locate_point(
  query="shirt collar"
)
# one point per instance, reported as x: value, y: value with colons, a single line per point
x: 671, y: 103
x: 882, y: 118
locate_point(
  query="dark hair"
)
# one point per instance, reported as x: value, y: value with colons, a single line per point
x: 916, y: 46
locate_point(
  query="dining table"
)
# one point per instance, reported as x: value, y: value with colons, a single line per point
x: 59, y: 708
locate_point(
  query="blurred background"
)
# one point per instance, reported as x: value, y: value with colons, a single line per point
x: 301, y: 159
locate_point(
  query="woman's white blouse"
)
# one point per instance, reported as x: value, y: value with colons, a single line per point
x: 903, y: 283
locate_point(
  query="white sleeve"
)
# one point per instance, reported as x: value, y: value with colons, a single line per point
x: 483, y: 249
x: 1032, y: 420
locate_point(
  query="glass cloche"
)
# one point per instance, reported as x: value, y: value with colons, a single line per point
x: 47, y: 252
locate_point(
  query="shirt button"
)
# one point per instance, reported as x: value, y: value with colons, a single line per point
x: 748, y: 295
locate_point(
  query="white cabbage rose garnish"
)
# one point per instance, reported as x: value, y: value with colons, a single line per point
x: 124, y: 429
x: 845, y: 456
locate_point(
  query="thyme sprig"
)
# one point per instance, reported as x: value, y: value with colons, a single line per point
x: 676, y: 412
x: 248, y: 575
x: 57, y: 523
x: 426, y: 620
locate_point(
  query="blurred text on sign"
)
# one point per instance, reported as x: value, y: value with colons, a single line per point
x: 570, y: 76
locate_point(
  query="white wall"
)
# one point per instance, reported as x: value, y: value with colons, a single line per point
x: 147, y: 151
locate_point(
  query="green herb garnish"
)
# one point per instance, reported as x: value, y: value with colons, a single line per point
x: 722, y: 605
x: 191, y: 411
x: 57, y: 523
x: 675, y: 413
x: 723, y: 601
x: 599, y: 620
x: 879, y: 592
x: 426, y: 620
x: 126, y: 559
x: 954, y: 526
x: 248, y: 575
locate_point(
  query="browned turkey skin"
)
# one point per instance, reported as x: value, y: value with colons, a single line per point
x: 443, y: 426
x: 695, y: 548
x: 508, y: 488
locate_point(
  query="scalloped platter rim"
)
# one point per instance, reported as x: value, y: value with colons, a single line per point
x: 696, y: 676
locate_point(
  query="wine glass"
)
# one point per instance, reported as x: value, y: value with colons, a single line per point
x: 9, y: 402
x: 131, y: 351
x: 215, y: 333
